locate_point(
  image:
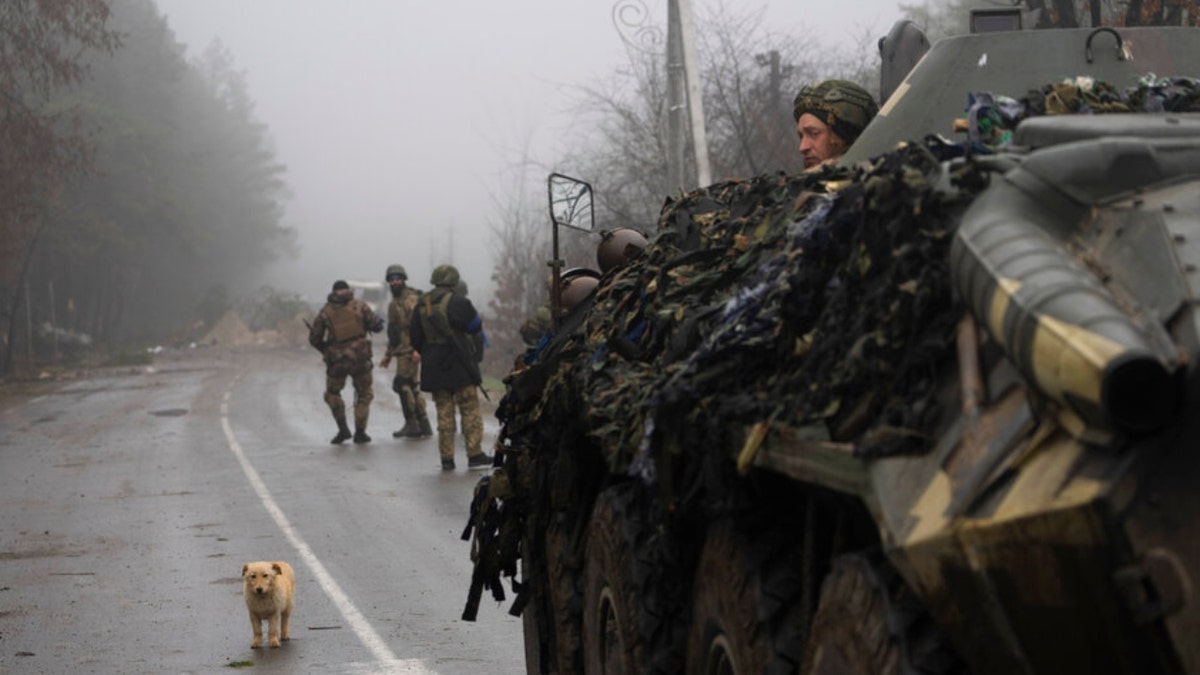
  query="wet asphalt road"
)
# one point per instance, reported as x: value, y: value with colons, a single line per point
x: 130, y: 501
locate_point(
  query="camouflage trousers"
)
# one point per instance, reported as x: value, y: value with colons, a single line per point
x: 363, y: 395
x: 467, y: 402
x: 406, y: 386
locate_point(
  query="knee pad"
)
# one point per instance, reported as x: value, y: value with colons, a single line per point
x: 401, y: 383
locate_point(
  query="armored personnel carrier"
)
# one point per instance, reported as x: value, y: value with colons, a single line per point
x: 933, y: 410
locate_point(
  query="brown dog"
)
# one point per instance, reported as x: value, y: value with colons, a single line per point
x: 270, y: 595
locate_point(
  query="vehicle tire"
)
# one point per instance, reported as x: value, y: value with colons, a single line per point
x: 565, y: 600
x: 747, y: 604
x: 551, y: 620
x: 868, y: 621
x: 531, y: 620
x: 611, y: 643
x: 726, y: 637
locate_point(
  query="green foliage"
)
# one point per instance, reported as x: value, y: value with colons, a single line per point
x: 44, y: 47
x: 187, y: 196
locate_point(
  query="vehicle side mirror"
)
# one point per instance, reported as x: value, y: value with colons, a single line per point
x: 571, y: 203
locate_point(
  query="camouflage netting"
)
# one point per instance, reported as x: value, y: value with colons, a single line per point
x: 993, y: 118
x: 765, y: 299
x: 773, y: 299
x: 820, y: 300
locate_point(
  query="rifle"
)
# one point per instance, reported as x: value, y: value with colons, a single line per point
x: 457, y: 339
x: 323, y: 345
x: 463, y: 353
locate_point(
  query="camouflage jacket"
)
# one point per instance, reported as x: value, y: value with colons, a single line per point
x: 442, y: 330
x: 400, y: 313
x: 340, y: 333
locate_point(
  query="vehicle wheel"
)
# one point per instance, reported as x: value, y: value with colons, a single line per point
x: 610, y: 633
x: 551, y: 621
x: 868, y: 621
x: 531, y: 619
x: 562, y: 570
x: 747, y: 608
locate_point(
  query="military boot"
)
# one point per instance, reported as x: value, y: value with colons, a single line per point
x: 425, y: 430
x: 343, y: 433
x: 361, y: 413
x: 409, y: 428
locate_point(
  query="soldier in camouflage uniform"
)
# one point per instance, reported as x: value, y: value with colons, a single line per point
x: 340, y: 333
x: 829, y: 117
x: 400, y: 315
x: 442, y: 333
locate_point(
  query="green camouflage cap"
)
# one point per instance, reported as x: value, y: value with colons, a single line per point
x: 843, y: 105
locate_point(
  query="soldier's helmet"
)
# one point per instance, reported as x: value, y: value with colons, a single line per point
x: 577, y: 284
x: 617, y: 246
x: 841, y: 104
x: 461, y: 288
x: 445, y: 275
x: 395, y: 271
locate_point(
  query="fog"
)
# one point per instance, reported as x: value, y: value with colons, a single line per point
x: 399, y: 121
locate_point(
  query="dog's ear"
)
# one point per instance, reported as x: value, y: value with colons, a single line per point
x: 275, y: 566
x: 245, y: 568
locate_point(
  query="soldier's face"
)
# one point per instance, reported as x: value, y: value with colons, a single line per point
x: 396, y: 283
x: 818, y: 143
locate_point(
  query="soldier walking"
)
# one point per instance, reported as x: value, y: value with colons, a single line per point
x: 340, y: 333
x: 399, y: 319
x: 441, y: 334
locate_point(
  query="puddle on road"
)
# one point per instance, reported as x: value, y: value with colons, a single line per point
x: 170, y: 412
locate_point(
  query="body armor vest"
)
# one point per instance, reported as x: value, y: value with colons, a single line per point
x: 435, y: 321
x: 345, y: 323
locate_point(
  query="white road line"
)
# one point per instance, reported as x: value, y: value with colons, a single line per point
x: 358, y: 623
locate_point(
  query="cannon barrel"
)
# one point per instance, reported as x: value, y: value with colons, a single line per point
x: 1061, y: 326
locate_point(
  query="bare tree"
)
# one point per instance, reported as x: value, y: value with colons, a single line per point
x: 42, y: 47
x: 749, y: 77
x: 623, y: 146
x: 519, y: 247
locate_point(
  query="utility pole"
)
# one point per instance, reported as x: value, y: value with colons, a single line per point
x: 677, y: 176
x: 691, y: 68
x: 683, y: 96
x: 685, y: 109
x: 775, y: 79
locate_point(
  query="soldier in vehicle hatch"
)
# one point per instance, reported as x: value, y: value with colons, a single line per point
x: 340, y: 333
x: 400, y: 314
x: 442, y: 330
x: 829, y: 117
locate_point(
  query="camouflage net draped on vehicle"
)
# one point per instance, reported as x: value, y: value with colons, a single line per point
x: 820, y: 300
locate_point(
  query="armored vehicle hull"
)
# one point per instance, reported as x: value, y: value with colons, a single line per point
x: 933, y: 410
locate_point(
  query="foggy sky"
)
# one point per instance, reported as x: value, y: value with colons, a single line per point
x: 398, y: 121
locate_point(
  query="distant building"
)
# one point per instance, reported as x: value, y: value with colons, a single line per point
x: 374, y: 293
